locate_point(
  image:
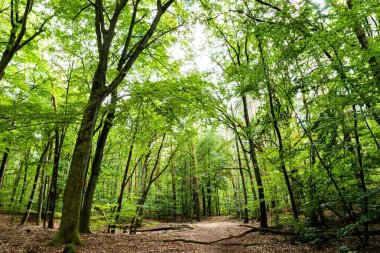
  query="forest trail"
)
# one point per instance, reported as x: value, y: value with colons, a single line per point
x: 34, y: 239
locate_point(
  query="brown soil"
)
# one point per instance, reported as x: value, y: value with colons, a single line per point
x: 14, y: 238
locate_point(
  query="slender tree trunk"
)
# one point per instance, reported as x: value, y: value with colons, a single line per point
x: 126, y: 178
x: 124, y: 183
x: 34, y: 187
x: 3, y: 165
x: 209, y: 204
x: 250, y: 175
x: 326, y: 166
x: 361, y: 175
x: 41, y: 198
x: 237, y: 201
x: 24, y: 182
x: 252, y: 152
x: 54, y: 179
x: 204, y: 201
x: 245, y: 208
x: 136, y: 220
x: 217, y: 202
x: 279, y: 136
x: 84, y: 226
x: 174, y: 192
x: 23, y: 163
x: 45, y: 213
x: 197, y: 209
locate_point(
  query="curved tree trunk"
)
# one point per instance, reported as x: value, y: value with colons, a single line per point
x: 278, y: 133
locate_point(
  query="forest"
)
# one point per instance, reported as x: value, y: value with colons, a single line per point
x: 190, y: 126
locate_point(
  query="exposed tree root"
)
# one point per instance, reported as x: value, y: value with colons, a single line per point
x: 269, y: 230
x: 180, y: 227
x: 211, y: 242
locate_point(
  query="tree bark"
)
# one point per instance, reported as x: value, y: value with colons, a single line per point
x: 245, y: 208
x: 361, y: 175
x: 256, y: 169
x: 278, y: 133
x: 69, y: 228
x: 197, y: 207
x: 14, y: 41
x: 84, y: 226
x: 3, y: 166
x: 54, y: 179
x: 209, y: 204
x: 34, y: 187
x: 24, y: 182
x: 174, y: 192
x: 24, y: 162
x: 363, y: 41
x: 41, y: 198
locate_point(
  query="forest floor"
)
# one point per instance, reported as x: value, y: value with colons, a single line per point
x: 195, y: 238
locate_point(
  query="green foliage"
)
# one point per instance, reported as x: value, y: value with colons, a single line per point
x: 318, y: 63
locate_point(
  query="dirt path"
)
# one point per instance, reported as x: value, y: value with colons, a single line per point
x: 34, y: 239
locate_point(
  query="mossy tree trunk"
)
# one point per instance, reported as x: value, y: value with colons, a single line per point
x: 69, y: 228
x: 96, y: 167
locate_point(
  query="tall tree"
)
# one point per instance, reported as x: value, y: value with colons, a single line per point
x: 69, y: 229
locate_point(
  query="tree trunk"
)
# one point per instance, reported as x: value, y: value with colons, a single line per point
x: 69, y: 229
x: 3, y: 165
x: 256, y: 169
x: 45, y: 213
x: 136, y: 220
x: 204, y: 201
x: 245, y: 208
x: 31, y: 198
x: 363, y: 41
x: 174, y: 192
x: 54, y: 178
x: 24, y: 182
x: 197, y: 208
x: 209, y: 204
x: 249, y: 174
x: 217, y: 202
x: 124, y: 183
x: 24, y: 162
x: 14, y: 42
x: 361, y: 175
x: 41, y: 198
x: 84, y: 226
x: 279, y: 136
